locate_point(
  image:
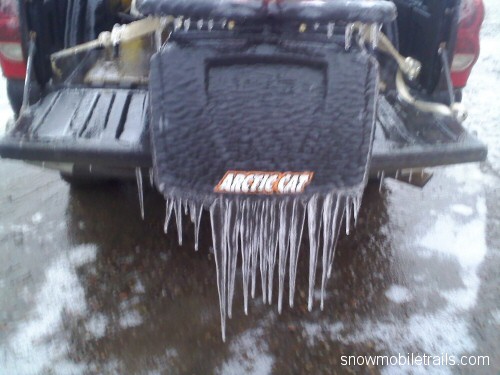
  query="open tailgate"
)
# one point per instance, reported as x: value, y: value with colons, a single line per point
x: 91, y: 126
x: 111, y: 127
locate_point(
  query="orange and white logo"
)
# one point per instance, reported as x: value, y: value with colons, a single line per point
x: 256, y: 182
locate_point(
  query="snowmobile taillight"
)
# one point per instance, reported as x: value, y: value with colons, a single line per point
x: 467, y: 43
x: 11, y: 51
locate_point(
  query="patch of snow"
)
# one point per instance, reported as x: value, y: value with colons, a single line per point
x: 496, y: 316
x: 433, y: 333
x: 82, y: 255
x: 96, y: 325
x: 249, y: 355
x: 130, y: 319
x: 462, y: 209
x: 139, y: 287
x: 446, y: 330
x: 37, y: 218
x: 38, y: 343
x: 463, y: 241
x: 398, y: 294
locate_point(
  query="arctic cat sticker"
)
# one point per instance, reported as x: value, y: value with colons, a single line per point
x: 256, y: 182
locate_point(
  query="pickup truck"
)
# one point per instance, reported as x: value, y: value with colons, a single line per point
x: 270, y: 114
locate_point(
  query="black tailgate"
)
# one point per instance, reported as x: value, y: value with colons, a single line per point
x: 408, y: 138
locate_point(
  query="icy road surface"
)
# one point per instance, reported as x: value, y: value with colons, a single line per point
x: 86, y: 287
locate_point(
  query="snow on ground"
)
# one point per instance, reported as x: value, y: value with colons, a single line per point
x: 5, y: 110
x: 36, y: 344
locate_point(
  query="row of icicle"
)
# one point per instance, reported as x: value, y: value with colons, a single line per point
x: 263, y: 232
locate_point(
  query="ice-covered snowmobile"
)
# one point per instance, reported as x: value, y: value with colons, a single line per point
x: 271, y: 115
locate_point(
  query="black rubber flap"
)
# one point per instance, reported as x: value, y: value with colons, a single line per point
x: 318, y: 10
x: 293, y: 106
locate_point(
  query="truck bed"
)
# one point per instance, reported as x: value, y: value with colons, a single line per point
x: 110, y: 127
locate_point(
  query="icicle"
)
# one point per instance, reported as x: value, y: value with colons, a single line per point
x: 245, y: 229
x: 151, y: 177
x: 410, y: 176
x: 382, y: 176
x: 254, y: 248
x: 187, y: 24
x: 168, y: 213
x: 273, y: 248
x: 284, y: 245
x: 232, y: 230
x: 223, y: 23
x: 348, y: 216
x: 348, y: 35
x: 218, y: 234
x: 195, y: 212
x: 327, y: 238
x: 357, y: 206
x: 266, y: 231
x: 140, y: 191
x: 264, y: 254
x: 210, y: 25
x: 177, y: 23
x: 199, y: 24
x: 295, y: 238
x: 178, y: 219
x: 397, y: 174
x: 329, y: 233
x: 316, y: 26
x: 314, y: 226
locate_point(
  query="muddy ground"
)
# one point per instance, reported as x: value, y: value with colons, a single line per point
x: 87, y: 287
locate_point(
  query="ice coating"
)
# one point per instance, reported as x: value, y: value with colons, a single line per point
x: 266, y: 231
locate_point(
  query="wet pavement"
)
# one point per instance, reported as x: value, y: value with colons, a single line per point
x: 87, y: 287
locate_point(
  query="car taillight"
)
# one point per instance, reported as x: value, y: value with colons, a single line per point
x: 11, y: 51
x: 467, y: 44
